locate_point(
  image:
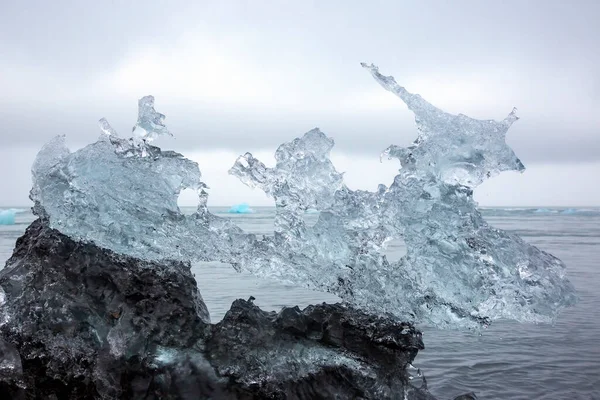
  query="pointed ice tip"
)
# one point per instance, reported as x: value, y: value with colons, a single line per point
x: 150, y: 123
x: 371, y: 66
x: 147, y: 100
x: 385, y: 153
x: 316, y: 133
x: 512, y: 117
x: 106, y: 128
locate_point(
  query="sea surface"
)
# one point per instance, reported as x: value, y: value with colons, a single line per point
x: 508, y: 360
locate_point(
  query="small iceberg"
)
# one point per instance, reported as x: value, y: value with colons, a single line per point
x: 580, y: 212
x: 544, y: 211
x: 243, y: 208
x: 7, y: 217
x: 569, y: 211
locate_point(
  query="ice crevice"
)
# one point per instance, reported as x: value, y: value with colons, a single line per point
x: 459, y: 272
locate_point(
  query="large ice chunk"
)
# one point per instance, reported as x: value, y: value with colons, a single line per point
x: 122, y: 194
x: 458, y: 270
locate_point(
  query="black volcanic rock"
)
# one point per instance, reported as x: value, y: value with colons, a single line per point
x: 326, y: 351
x: 81, y: 322
x: 82, y: 317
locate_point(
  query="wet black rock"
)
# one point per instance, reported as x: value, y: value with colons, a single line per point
x: 323, y: 352
x: 81, y: 322
x: 83, y: 318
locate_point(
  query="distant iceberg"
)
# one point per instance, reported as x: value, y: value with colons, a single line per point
x: 569, y: 211
x: 580, y: 211
x: 243, y: 208
x: 544, y: 211
x: 7, y: 217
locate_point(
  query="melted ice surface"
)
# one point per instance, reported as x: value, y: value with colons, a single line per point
x: 458, y: 271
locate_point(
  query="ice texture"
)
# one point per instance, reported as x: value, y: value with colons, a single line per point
x: 150, y: 124
x: 121, y: 194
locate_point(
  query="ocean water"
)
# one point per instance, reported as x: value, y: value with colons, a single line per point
x: 508, y: 360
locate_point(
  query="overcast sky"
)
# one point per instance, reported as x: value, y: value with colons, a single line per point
x: 246, y: 76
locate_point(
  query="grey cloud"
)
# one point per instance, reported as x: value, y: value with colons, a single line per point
x: 451, y: 33
x: 52, y: 55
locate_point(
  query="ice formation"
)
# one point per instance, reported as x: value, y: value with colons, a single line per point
x: 122, y: 194
x: 243, y: 208
x: 7, y: 217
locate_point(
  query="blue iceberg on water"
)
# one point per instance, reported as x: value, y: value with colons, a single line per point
x: 7, y: 217
x: 544, y: 211
x: 243, y: 208
x: 580, y: 211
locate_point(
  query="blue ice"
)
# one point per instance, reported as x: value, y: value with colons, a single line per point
x: 243, y: 208
x: 544, y: 211
x: 569, y: 211
x: 7, y: 217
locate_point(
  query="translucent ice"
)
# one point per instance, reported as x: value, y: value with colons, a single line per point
x: 122, y: 195
x: 458, y: 271
x: 150, y: 124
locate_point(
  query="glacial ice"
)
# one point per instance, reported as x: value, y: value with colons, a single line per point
x: 7, y: 217
x: 544, y: 211
x: 243, y: 208
x: 121, y: 194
